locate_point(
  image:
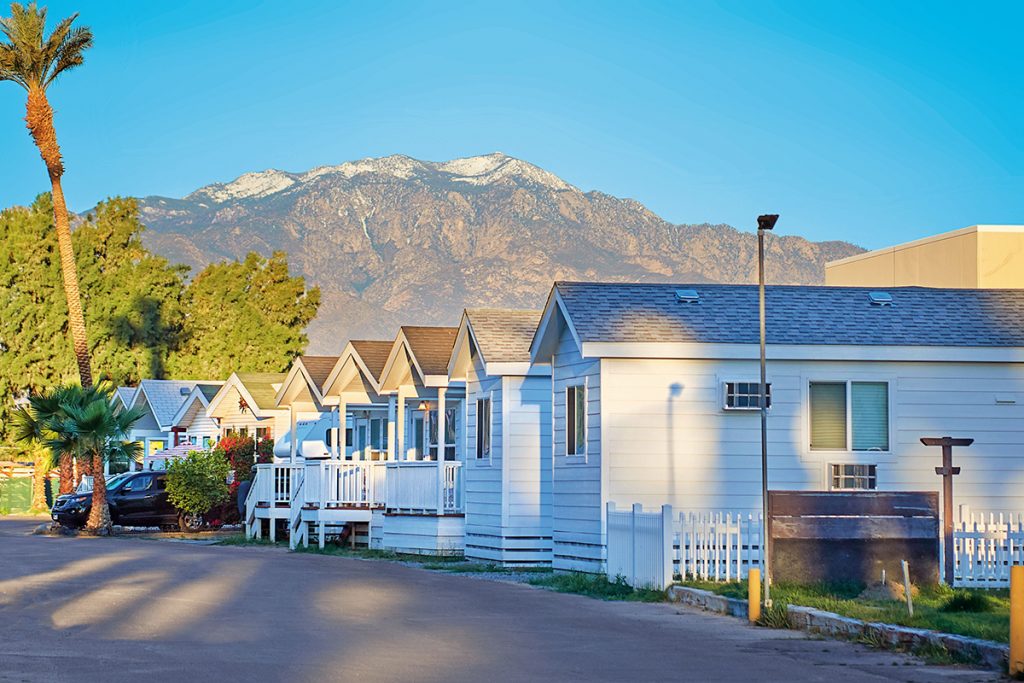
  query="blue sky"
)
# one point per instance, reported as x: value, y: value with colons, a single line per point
x: 870, y: 122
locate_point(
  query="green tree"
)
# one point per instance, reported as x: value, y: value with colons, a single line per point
x: 247, y: 315
x: 196, y: 483
x: 34, y: 60
x: 133, y: 297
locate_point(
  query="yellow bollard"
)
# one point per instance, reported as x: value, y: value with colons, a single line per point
x: 1016, y: 620
x: 754, y: 595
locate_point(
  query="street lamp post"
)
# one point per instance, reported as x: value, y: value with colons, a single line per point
x: 764, y: 223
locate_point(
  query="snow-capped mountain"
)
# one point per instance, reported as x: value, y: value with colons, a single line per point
x: 396, y: 240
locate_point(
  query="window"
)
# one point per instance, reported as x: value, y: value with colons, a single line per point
x: 329, y: 437
x: 139, y: 483
x: 207, y: 442
x: 193, y: 441
x: 746, y: 395
x: 377, y: 434
x: 576, y: 420
x: 854, y: 477
x: 483, y: 428
x: 849, y: 416
x: 262, y: 433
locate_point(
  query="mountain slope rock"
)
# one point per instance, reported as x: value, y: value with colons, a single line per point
x: 396, y: 240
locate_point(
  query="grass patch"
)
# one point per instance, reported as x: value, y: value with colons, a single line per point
x: 470, y: 567
x: 977, y: 613
x: 240, y: 539
x: 597, y: 586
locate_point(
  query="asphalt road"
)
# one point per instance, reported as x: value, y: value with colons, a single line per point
x: 89, y: 609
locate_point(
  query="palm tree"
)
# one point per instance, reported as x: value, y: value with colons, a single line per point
x: 37, y: 424
x: 102, y: 433
x: 33, y: 60
x: 81, y: 423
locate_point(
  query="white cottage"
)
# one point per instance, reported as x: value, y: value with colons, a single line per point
x: 655, y: 397
x: 245, y: 405
x: 309, y: 419
x: 424, y: 497
x: 160, y: 400
x: 508, y: 437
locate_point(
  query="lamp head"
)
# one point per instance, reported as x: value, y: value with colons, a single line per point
x: 767, y: 221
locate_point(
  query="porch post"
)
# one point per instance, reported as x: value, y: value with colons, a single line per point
x: 294, y: 449
x: 338, y: 410
x: 392, y: 404
x: 441, y: 391
x: 342, y: 439
x: 400, y: 426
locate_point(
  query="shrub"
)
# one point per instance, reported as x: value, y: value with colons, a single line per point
x: 239, y: 452
x: 198, y: 482
x: 967, y: 601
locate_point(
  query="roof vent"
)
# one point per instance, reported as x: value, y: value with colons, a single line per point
x: 880, y: 298
x: 688, y: 296
x: 184, y: 391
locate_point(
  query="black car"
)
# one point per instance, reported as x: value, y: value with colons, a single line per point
x: 135, y: 499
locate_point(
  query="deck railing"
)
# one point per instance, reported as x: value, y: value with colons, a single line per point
x: 413, y: 486
x: 272, y: 484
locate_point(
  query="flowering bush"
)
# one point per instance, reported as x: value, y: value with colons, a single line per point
x: 265, y: 451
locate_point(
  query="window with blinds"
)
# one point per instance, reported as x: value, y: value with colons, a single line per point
x: 575, y: 420
x: 849, y: 416
x: 869, y: 403
x: 828, y: 416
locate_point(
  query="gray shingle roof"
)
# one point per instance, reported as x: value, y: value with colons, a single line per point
x: 165, y: 396
x: 503, y: 335
x: 918, y: 316
x: 432, y: 347
x: 126, y: 394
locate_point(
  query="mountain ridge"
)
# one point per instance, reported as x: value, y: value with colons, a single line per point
x: 396, y: 240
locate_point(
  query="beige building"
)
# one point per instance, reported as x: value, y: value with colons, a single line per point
x: 978, y: 257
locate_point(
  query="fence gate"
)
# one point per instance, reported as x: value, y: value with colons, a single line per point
x: 639, y: 546
x: 985, y: 546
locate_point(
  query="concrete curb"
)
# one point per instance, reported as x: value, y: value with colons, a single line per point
x: 706, y: 600
x: 990, y: 654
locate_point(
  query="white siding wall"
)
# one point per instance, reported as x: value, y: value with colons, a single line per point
x: 202, y: 426
x: 483, y: 476
x: 577, y: 504
x: 668, y: 440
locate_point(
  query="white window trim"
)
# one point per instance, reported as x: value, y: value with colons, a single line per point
x: 489, y: 396
x: 724, y: 394
x: 577, y: 458
x: 850, y: 456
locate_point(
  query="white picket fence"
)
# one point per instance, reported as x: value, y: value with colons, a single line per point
x: 985, y: 546
x: 648, y: 549
x: 717, y: 546
x: 640, y: 546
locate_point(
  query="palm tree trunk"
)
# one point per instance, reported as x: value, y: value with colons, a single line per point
x: 99, y: 515
x: 67, y: 474
x: 39, y: 475
x: 39, y: 119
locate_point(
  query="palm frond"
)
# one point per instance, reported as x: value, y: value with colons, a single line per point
x: 33, y: 59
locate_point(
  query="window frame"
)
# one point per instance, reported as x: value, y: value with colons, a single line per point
x: 869, y: 475
x: 578, y: 452
x: 745, y: 409
x: 873, y: 455
x: 477, y: 447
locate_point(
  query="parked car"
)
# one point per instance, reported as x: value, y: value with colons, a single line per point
x: 135, y: 499
x: 72, y: 509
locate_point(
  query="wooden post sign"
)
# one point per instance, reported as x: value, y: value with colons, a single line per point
x: 947, y: 472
